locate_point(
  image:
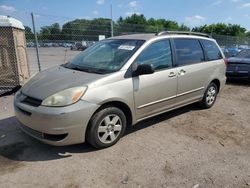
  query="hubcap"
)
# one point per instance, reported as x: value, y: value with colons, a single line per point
x: 109, y: 129
x: 211, y: 95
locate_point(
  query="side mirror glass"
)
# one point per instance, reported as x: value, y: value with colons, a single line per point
x: 144, y: 69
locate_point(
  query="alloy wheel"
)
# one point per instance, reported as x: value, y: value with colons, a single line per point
x: 109, y: 128
x: 211, y: 95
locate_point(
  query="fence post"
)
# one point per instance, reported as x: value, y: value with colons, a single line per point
x: 36, y: 42
x: 111, y: 22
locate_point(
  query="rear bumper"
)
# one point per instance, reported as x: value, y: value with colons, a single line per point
x: 55, y: 125
x: 243, y: 75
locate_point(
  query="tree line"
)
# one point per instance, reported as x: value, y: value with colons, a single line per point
x: 83, y: 29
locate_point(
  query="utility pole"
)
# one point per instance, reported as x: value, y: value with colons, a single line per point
x: 36, y: 42
x: 111, y: 22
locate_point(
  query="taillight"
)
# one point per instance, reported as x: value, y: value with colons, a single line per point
x: 225, y: 61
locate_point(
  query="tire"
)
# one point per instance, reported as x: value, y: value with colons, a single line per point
x: 106, y: 127
x: 210, y: 96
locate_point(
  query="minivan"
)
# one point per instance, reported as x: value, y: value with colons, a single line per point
x: 118, y: 82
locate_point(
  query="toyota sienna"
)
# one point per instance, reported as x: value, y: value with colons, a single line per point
x: 118, y: 82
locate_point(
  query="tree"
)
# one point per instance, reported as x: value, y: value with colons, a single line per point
x: 131, y: 24
x: 221, y: 29
x: 183, y: 27
x: 55, y: 31
x: 248, y: 34
x: 52, y: 32
x: 28, y: 33
x: 83, y: 29
x: 98, y: 26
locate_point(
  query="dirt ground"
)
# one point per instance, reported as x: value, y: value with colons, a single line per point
x: 187, y: 147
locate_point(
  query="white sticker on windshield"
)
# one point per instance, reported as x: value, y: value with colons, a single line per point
x: 126, y: 47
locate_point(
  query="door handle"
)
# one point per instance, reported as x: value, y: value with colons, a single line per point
x: 171, y: 74
x: 182, y: 72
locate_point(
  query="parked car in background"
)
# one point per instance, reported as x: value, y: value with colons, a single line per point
x: 231, y: 52
x: 67, y: 45
x: 119, y: 82
x: 243, y: 47
x: 82, y: 45
x: 239, y: 66
x: 30, y: 44
x: 78, y: 46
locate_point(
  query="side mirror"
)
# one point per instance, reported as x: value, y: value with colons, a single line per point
x: 144, y: 69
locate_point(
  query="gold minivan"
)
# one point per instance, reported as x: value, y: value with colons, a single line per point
x: 118, y: 82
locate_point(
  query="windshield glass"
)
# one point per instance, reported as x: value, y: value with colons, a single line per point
x: 244, y: 54
x: 105, y: 56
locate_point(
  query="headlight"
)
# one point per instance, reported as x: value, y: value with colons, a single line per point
x: 65, y: 97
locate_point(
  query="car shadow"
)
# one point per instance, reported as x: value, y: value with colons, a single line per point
x: 162, y: 117
x: 238, y: 82
x: 16, y: 145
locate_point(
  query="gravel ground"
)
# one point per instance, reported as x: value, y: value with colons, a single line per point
x: 187, y: 147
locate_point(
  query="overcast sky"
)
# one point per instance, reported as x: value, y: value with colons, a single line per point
x: 190, y: 12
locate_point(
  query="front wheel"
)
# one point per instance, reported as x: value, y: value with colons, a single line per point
x: 106, y: 127
x: 210, y: 96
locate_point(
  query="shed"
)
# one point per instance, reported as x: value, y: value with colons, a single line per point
x: 14, y: 70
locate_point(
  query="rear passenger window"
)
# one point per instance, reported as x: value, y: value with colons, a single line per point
x: 188, y: 51
x: 158, y: 54
x: 212, y: 50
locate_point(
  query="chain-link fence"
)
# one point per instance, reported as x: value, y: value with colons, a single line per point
x: 13, y: 59
x: 57, y: 44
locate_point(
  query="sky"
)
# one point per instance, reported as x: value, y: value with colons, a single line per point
x: 190, y: 12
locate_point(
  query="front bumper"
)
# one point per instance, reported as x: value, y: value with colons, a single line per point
x: 55, y: 125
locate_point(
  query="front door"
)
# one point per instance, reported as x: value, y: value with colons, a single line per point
x: 156, y: 92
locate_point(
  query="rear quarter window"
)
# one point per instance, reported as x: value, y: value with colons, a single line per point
x: 212, y: 50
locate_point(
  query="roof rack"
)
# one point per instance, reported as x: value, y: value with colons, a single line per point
x: 182, y: 33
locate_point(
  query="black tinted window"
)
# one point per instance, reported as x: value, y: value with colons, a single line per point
x: 212, y: 50
x: 157, y: 54
x: 188, y: 51
x: 244, y: 54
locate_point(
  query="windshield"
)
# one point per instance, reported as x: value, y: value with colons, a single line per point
x: 105, y: 56
x: 244, y: 54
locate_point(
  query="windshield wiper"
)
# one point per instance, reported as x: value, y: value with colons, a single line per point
x: 84, y: 69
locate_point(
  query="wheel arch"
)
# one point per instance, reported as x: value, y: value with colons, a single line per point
x: 217, y: 83
x: 119, y: 104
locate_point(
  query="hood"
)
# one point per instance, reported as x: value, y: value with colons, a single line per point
x: 53, y: 80
x: 238, y: 60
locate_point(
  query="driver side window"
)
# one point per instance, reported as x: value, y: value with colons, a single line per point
x: 158, y: 54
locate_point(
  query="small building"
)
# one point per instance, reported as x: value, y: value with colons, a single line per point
x: 14, y: 69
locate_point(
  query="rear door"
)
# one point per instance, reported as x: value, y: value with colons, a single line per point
x: 191, y: 70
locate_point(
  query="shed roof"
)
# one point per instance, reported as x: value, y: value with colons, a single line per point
x: 6, y: 21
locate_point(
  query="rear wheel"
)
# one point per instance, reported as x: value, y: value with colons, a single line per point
x: 106, y: 127
x: 210, y: 96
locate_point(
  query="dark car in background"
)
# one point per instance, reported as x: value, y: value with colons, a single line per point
x: 80, y: 46
x: 239, y: 66
x: 231, y: 52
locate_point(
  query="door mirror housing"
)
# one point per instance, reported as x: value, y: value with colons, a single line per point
x: 143, y: 69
